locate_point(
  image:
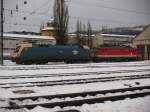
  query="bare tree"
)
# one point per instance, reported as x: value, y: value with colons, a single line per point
x: 89, y: 33
x: 78, y: 29
x: 42, y: 26
x: 61, y: 18
x: 84, y: 32
x: 79, y: 32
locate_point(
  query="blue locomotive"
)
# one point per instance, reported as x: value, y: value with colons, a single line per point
x: 32, y: 54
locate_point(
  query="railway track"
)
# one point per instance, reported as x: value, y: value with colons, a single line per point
x: 73, y: 81
x: 77, y: 99
x: 37, y: 67
x: 15, y: 83
x: 70, y: 74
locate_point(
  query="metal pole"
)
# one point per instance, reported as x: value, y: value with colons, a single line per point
x: 1, y: 59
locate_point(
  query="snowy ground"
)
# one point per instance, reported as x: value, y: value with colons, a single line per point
x: 12, y: 73
x: 127, y: 105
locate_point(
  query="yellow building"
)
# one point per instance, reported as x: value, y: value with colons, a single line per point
x: 49, y: 30
x: 142, y: 41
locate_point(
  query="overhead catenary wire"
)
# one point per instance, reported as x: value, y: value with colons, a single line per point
x: 85, y: 4
x: 85, y: 18
x: 26, y: 12
x: 112, y: 8
x: 43, y: 5
x: 16, y: 24
x: 45, y: 14
x: 98, y: 19
x: 22, y: 26
x: 94, y: 19
x: 74, y: 17
x: 34, y: 11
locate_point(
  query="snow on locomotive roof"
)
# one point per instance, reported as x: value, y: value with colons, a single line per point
x: 116, y: 35
x: 28, y: 36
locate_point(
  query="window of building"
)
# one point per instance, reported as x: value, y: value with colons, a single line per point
x: 10, y: 43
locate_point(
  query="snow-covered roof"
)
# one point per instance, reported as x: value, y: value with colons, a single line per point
x: 28, y: 36
x: 48, y: 28
x: 73, y: 34
x: 51, y: 20
x: 145, y: 35
x: 116, y: 35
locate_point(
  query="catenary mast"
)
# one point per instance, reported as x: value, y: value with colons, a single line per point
x: 1, y: 35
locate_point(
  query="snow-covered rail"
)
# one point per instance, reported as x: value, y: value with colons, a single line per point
x: 71, y: 74
x: 73, y: 81
x: 73, y: 66
x: 71, y: 85
x: 77, y: 99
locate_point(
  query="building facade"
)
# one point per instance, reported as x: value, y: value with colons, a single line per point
x: 114, y: 39
x: 100, y: 39
x: 142, y: 42
x: 82, y: 40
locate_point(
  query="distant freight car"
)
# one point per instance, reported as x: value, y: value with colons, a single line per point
x: 116, y: 53
x: 29, y: 54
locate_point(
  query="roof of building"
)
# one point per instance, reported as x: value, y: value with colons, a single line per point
x: 28, y: 36
x: 116, y: 35
x: 48, y: 28
x: 73, y: 34
x: 51, y: 20
x: 145, y: 35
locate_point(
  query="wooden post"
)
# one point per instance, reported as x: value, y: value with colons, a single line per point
x: 146, y: 53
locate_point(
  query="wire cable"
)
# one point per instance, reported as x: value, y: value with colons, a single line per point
x: 112, y: 8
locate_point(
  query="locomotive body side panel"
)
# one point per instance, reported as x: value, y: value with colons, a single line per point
x: 116, y: 54
x: 38, y: 54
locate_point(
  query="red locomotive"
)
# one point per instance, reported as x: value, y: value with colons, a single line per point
x: 116, y: 53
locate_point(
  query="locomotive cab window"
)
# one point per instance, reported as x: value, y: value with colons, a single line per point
x: 17, y: 49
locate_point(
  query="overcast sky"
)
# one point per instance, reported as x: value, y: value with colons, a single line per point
x: 110, y: 13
